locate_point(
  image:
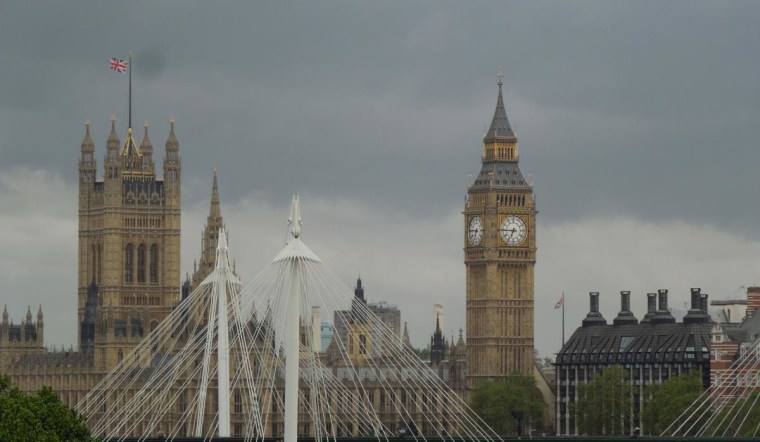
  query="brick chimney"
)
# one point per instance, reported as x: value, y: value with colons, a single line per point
x: 753, y: 300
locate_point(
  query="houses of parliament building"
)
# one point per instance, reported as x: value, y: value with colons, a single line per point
x: 129, y: 267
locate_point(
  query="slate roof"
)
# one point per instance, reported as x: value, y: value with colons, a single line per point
x: 500, y: 129
x: 500, y: 176
x: 638, y: 343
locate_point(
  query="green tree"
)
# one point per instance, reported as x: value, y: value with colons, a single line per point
x: 494, y: 402
x: 39, y: 417
x: 665, y: 403
x: 735, y: 417
x: 604, y: 405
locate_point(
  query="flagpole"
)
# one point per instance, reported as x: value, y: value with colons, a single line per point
x: 563, y: 318
x: 129, y: 66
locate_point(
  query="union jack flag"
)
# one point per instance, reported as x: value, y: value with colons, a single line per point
x: 560, y: 303
x: 118, y: 65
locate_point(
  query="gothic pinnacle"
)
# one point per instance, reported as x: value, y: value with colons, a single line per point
x: 214, y: 210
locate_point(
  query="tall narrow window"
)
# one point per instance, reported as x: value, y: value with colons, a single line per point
x: 94, y: 257
x: 362, y: 344
x: 129, y: 263
x: 100, y: 263
x: 154, y: 264
x: 141, y: 263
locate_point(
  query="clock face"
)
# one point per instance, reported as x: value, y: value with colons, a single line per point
x: 475, y: 230
x: 513, y: 230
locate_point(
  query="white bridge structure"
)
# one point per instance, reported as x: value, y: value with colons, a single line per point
x: 730, y: 407
x: 240, y: 360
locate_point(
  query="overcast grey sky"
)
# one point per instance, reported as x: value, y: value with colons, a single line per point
x: 637, y: 121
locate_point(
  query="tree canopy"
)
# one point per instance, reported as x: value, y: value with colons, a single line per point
x: 494, y: 401
x: 666, y: 402
x: 604, y: 405
x: 38, y: 417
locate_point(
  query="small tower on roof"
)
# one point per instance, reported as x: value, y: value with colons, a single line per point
x: 209, y: 237
x: 437, y: 345
x: 146, y: 150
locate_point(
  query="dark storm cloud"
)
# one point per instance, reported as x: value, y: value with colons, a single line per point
x: 642, y: 106
x: 644, y: 110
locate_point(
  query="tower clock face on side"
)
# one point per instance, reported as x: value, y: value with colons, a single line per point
x: 475, y: 231
x: 513, y: 230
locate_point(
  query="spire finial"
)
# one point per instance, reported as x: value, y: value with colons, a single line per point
x: 214, y: 209
x: 500, y: 75
x: 171, y: 123
x: 87, y: 124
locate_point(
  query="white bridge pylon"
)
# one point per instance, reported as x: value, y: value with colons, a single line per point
x: 234, y: 360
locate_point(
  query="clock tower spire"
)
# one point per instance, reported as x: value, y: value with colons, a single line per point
x: 499, y: 256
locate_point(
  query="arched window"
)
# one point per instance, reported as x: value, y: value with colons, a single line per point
x: 154, y: 264
x: 129, y: 263
x: 141, y: 263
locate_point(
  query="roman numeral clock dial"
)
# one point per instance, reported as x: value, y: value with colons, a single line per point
x: 475, y: 231
x: 513, y: 231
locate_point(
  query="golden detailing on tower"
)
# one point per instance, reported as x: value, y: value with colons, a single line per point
x: 500, y: 254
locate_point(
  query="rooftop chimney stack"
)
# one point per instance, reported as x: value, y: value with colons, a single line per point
x: 697, y: 313
x: 663, y: 316
x: 651, y: 307
x: 753, y: 300
x: 625, y: 316
x: 594, y: 317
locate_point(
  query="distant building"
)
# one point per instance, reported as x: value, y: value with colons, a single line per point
x: 327, y: 334
x: 650, y: 351
x: 732, y: 341
x: 390, y: 315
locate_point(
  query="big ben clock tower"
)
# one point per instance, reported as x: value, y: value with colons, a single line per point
x: 499, y: 254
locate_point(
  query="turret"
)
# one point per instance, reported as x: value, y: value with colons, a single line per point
x: 209, y: 238
x: 359, y: 291
x: 405, y: 339
x: 87, y: 164
x: 112, y: 174
x: 172, y: 165
x: 146, y: 150
x: 112, y: 152
x: 4, y: 326
x: 358, y: 304
x: 40, y: 325
x: 437, y: 344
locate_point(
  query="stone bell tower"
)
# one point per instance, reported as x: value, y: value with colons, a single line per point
x: 499, y: 255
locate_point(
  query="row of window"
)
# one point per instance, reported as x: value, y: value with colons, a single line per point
x: 144, y: 262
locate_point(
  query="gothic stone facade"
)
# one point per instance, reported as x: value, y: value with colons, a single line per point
x: 500, y: 254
